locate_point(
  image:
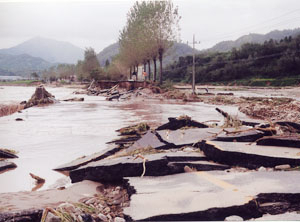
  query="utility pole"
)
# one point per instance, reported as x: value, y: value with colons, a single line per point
x: 193, y: 70
x: 193, y: 79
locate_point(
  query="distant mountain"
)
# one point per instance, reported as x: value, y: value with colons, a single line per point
x: 253, y: 38
x: 176, y: 51
x: 48, y: 49
x: 172, y: 54
x: 21, y: 64
x: 108, y: 53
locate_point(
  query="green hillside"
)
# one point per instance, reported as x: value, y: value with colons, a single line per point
x: 21, y: 64
x: 270, y: 61
x: 226, y: 46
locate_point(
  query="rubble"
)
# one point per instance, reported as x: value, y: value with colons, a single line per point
x: 249, y: 156
x: 274, y: 109
x: 32, y: 215
x: 105, y: 206
x: 164, y: 167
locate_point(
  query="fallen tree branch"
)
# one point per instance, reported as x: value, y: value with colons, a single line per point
x: 37, y: 178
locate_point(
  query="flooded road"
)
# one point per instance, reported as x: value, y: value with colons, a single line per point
x: 56, y: 134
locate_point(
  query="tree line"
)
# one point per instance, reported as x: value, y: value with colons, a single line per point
x: 273, y: 59
x: 85, y: 70
x: 151, y: 28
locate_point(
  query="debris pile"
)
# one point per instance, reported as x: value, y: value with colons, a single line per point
x: 107, y: 206
x: 111, y: 93
x: 273, y: 109
x: 40, y: 97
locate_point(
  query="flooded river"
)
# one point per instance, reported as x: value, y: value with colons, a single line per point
x: 56, y: 134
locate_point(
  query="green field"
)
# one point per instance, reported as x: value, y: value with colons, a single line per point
x: 18, y: 82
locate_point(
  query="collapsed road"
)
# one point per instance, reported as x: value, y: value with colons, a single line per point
x: 185, y: 170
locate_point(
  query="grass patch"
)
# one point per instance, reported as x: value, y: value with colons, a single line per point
x: 85, y: 208
x: 135, y: 129
x: 19, y: 82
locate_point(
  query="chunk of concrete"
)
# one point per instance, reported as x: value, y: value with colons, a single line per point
x: 287, y: 141
x: 177, y: 123
x: 85, y: 160
x: 6, y: 154
x: 115, y: 169
x: 4, y: 165
x: 283, y: 167
x: 184, y: 137
x: 159, y: 164
x: 245, y: 136
x: 150, y: 139
x: 249, y: 156
x: 212, y: 195
x: 233, y: 218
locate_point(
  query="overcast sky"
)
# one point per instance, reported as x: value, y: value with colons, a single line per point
x: 97, y: 23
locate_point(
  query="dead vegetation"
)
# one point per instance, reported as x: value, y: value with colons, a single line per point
x: 270, y: 109
x: 273, y: 109
x: 6, y: 110
x: 134, y: 129
x: 105, y: 206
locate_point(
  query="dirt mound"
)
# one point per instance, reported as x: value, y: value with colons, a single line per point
x: 40, y: 97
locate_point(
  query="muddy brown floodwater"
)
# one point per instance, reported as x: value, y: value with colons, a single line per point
x: 56, y: 134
